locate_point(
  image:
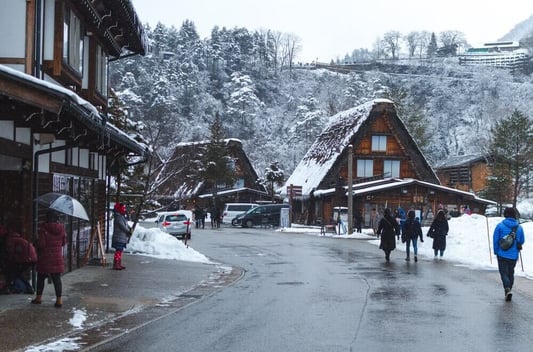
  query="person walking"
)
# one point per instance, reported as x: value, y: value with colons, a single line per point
x: 410, y: 232
x: 121, y: 234
x: 198, y: 216
x: 388, y: 229
x: 507, y: 258
x: 52, y: 238
x: 438, y: 231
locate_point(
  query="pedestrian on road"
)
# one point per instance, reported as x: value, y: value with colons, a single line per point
x: 438, y: 231
x: 52, y: 238
x: 121, y: 234
x: 388, y: 229
x: 198, y: 216
x: 507, y: 258
x: 410, y: 232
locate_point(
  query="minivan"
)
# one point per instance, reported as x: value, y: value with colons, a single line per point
x: 231, y: 210
x: 262, y: 215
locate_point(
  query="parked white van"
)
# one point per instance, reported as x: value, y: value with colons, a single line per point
x: 231, y: 210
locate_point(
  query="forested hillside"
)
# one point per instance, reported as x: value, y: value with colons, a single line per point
x: 277, y: 109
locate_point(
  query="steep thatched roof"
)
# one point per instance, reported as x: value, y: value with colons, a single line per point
x: 345, y: 128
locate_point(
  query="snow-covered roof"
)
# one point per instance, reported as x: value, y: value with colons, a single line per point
x: 459, y: 160
x: 329, y: 145
x: 90, y: 113
x: 361, y: 189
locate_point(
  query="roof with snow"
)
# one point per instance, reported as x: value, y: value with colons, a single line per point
x: 181, y: 183
x: 459, y: 160
x: 344, y: 129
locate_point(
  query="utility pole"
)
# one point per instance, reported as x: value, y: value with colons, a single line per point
x: 350, y: 184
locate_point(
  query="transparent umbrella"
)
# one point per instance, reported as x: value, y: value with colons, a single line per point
x: 63, y: 203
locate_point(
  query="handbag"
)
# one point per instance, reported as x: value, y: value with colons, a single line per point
x: 507, y: 241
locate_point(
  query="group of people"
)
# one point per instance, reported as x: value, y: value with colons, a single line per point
x: 201, y: 214
x: 45, y: 255
x: 411, y: 230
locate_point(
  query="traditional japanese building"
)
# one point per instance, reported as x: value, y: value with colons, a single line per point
x: 54, y: 129
x: 183, y: 190
x: 387, y: 169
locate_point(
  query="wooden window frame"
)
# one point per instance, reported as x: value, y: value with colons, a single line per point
x: 379, y: 143
x: 364, y: 166
x: 388, y: 167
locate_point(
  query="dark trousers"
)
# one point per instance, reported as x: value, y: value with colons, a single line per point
x: 506, y: 269
x: 56, y: 279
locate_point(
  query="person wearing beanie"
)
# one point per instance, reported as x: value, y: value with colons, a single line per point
x: 121, y: 234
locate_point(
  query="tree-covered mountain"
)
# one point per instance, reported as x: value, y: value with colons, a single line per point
x: 277, y: 109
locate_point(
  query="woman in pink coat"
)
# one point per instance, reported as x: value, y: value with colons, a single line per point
x: 52, y: 238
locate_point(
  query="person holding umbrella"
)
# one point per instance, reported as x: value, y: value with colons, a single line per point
x: 52, y: 238
x: 121, y: 234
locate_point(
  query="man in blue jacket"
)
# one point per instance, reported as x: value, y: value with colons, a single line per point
x: 507, y: 258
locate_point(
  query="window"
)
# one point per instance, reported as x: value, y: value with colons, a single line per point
x: 365, y: 168
x: 72, y: 41
x: 391, y: 168
x: 379, y: 143
x: 101, y: 71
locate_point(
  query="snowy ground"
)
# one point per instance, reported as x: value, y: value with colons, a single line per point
x: 469, y: 243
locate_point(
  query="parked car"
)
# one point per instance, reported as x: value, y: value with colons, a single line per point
x: 176, y: 223
x: 261, y: 215
x: 231, y: 210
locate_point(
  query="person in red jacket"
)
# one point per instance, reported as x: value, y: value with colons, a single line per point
x: 52, y: 238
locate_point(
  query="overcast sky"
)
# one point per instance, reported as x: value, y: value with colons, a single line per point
x: 330, y: 29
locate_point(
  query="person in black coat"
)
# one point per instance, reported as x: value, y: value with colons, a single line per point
x: 411, y: 230
x: 438, y: 231
x: 388, y: 229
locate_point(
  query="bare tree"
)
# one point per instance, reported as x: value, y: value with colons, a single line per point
x: 379, y: 51
x: 413, y: 41
x: 391, y: 42
x: 452, y: 39
x: 424, y: 37
x: 290, y: 48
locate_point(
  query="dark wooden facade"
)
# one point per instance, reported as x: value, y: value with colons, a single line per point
x: 186, y: 191
x: 54, y: 134
x: 465, y: 172
x: 396, y: 173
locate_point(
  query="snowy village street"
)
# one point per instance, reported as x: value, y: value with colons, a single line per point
x: 312, y: 293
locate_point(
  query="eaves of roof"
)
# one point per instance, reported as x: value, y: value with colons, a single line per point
x: 81, y: 110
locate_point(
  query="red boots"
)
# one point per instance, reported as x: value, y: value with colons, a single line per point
x: 117, y: 261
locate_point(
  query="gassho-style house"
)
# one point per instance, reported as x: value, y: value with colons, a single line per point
x: 387, y: 170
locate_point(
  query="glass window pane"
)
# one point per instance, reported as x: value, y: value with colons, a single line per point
x: 379, y: 143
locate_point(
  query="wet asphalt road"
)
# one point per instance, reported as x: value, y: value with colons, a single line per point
x: 309, y: 293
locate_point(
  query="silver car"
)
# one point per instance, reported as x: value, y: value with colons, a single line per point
x: 176, y: 223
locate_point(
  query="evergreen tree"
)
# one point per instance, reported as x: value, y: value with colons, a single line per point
x: 274, y: 176
x: 432, y: 46
x: 512, y: 150
x: 216, y: 167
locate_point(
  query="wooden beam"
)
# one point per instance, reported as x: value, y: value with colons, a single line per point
x: 30, y: 95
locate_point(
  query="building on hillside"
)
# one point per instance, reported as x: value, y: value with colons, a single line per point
x: 182, y: 189
x: 388, y: 170
x: 54, y: 134
x: 499, y: 54
x: 465, y: 172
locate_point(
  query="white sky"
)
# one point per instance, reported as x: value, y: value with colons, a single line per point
x: 330, y: 29
x: 468, y: 244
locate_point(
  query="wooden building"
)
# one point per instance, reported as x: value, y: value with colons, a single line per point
x: 180, y: 190
x: 465, y: 172
x: 388, y: 169
x: 54, y: 129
